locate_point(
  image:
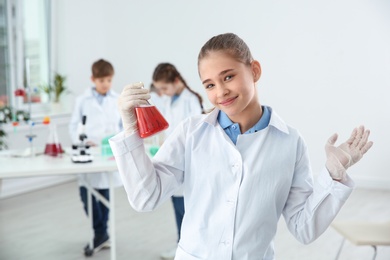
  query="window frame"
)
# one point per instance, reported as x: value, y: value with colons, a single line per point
x: 17, y: 71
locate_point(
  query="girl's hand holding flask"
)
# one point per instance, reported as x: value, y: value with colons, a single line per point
x: 138, y: 114
x: 132, y: 95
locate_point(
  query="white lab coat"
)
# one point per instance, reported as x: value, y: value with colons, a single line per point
x: 234, y: 195
x: 102, y: 120
x: 186, y: 105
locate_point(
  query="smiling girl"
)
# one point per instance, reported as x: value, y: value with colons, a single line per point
x: 241, y: 165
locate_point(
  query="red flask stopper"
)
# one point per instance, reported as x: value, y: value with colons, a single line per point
x: 149, y: 120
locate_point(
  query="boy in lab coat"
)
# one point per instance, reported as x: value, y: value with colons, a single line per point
x: 99, y: 104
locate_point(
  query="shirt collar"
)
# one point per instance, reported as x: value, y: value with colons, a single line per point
x: 225, y: 121
x: 96, y: 94
x: 275, y: 121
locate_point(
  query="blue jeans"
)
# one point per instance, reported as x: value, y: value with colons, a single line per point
x: 178, y: 205
x: 100, y: 212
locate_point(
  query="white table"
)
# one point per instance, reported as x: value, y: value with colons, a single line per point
x: 43, y: 165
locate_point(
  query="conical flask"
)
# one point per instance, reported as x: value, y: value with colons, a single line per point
x: 149, y: 120
x: 53, y: 147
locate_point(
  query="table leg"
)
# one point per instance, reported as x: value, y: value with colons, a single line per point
x: 90, y: 217
x: 111, y: 206
x: 112, y: 218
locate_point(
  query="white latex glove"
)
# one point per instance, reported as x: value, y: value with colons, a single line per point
x: 132, y: 96
x: 347, y: 154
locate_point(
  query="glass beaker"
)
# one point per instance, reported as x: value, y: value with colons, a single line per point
x: 149, y: 120
x: 106, y: 148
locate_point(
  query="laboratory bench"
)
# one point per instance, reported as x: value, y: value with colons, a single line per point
x: 20, y: 164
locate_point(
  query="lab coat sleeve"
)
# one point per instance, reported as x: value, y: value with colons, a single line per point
x: 148, y: 182
x: 310, y: 209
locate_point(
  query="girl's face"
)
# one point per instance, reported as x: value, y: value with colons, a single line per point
x: 103, y: 85
x: 166, y: 88
x: 230, y: 85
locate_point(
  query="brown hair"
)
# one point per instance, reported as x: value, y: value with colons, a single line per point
x: 168, y: 73
x: 102, y: 68
x: 230, y: 44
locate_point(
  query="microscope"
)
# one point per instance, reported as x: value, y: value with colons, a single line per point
x: 80, y: 152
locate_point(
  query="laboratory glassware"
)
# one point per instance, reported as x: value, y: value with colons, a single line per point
x: 149, y: 120
x: 53, y: 146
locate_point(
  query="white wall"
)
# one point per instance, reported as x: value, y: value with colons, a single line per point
x: 326, y: 64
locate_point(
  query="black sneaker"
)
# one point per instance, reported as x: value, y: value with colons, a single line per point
x: 99, y: 243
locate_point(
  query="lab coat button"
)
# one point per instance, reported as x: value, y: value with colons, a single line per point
x: 231, y: 202
x: 226, y: 242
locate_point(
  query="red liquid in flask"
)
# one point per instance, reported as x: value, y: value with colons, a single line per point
x: 53, y: 149
x: 149, y: 120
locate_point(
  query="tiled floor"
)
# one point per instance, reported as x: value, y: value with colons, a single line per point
x: 50, y: 224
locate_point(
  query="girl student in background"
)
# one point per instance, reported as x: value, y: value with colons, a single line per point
x: 241, y: 166
x: 182, y: 102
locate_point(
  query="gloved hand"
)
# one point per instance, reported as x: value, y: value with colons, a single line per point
x: 347, y: 154
x: 132, y: 96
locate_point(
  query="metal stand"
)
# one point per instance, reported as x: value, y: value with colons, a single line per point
x: 30, y: 136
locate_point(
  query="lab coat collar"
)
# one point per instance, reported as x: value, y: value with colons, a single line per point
x: 212, y: 117
x: 275, y: 120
